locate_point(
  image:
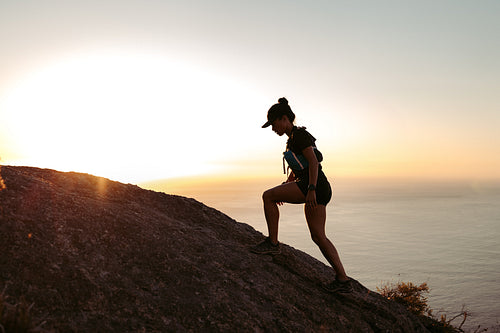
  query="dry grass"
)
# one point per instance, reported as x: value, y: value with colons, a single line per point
x: 16, y: 317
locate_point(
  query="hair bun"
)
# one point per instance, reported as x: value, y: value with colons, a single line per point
x: 283, y: 100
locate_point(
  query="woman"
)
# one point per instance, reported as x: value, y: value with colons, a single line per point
x: 306, y: 184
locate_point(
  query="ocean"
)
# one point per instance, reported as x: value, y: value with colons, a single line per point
x: 444, y: 233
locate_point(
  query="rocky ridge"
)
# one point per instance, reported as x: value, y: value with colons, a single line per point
x: 94, y: 255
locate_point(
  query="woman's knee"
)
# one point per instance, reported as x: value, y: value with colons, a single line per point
x: 267, y: 195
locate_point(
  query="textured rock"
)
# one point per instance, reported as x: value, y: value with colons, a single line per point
x: 97, y: 255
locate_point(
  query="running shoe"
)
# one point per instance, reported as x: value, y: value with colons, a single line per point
x: 341, y: 287
x: 266, y: 247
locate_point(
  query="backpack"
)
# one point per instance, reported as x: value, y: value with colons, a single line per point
x: 298, y: 162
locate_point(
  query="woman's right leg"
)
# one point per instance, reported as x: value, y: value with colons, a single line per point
x: 288, y: 192
x: 316, y: 219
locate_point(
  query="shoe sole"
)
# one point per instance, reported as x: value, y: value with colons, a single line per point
x: 266, y: 252
x: 340, y: 290
x: 343, y: 292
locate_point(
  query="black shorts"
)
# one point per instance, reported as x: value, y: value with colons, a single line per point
x: 323, y: 188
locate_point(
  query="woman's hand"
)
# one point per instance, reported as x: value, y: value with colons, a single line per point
x: 311, y: 199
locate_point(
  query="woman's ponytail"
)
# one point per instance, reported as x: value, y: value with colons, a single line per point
x: 286, y: 110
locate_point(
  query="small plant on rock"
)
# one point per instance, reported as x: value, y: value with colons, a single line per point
x: 412, y: 297
x: 16, y: 317
x: 408, y: 294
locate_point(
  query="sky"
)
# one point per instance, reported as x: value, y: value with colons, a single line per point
x: 143, y: 90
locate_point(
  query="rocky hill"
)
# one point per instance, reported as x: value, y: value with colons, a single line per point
x: 94, y: 255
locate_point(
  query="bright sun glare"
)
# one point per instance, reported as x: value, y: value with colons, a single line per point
x: 110, y: 114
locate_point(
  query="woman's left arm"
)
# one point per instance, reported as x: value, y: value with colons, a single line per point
x: 309, y: 154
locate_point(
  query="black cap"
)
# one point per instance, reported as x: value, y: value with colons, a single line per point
x: 278, y: 110
x: 272, y: 115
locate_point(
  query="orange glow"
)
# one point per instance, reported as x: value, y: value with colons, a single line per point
x: 183, y: 88
x: 2, y: 184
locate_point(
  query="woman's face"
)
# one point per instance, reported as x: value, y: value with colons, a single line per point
x: 280, y: 125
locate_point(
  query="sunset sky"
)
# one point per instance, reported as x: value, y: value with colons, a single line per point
x: 143, y: 90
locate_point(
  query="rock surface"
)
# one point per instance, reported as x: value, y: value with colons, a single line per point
x: 95, y: 255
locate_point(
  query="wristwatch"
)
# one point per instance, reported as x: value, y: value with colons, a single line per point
x: 311, y: 187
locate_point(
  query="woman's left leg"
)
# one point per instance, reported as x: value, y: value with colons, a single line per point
x: 273, y: 197
x: 316, y: 220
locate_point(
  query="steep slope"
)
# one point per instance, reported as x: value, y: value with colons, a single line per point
x: 97, y: 255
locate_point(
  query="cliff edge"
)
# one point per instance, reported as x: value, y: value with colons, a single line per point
x: 95, y: 255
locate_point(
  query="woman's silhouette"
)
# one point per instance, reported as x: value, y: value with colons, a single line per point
x: 306, y: 184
